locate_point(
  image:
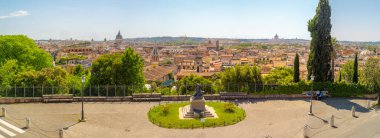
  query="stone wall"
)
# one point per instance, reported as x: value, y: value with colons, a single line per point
x: 20, y: 100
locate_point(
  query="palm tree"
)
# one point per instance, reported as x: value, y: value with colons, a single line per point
x: 335, y: 48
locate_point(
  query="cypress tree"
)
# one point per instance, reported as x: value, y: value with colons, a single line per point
x: 296, y: 75
x: 355, y: 78
x: 320, y: 46
x: 340, y: 76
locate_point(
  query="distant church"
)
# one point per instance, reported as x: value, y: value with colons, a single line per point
x: 155, y: 58
x: 119, y: 40
x: 276, y: 37
x: 212, y: 46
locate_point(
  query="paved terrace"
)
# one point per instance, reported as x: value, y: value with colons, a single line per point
x: 274, y: 118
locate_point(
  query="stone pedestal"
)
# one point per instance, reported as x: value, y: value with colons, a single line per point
x: 196, y: 105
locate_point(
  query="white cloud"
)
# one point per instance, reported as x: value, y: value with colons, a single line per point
x: 15, y: 14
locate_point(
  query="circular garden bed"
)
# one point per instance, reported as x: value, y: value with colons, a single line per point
x: 167, y: 116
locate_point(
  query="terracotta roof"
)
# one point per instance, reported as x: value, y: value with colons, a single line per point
x: 180, y: 56
x: 279, y: 63
x: 229, y: 55
x: 189, y: 72
x: 157, y: 73
x: 243, y: 58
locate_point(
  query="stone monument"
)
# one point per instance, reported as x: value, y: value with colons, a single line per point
x: 197, y: 107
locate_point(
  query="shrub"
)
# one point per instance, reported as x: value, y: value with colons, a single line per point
x: 229, y: 107
x: 165, y: 109
x: 337, y: 89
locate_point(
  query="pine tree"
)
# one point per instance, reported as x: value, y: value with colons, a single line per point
x: 320, y: 47
x: 296, y: 75
x: 355, y: 78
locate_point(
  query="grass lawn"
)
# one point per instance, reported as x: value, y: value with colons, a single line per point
x: 171, y: 119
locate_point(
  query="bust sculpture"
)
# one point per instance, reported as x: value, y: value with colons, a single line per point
x: 198, y: 92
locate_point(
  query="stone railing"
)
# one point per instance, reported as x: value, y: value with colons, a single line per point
x: 140, y: 97
x: 165, y: 98
x: 233, y: 95
x: 57, y: 98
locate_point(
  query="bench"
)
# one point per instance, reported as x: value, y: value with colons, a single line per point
x: 142, y: 97
x: 233, y: 95
x: 314, y: 94
x: 57, y: 98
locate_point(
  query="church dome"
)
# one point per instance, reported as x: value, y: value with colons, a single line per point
x: 119, y: 36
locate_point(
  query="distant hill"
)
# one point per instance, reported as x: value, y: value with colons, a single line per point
x: 166, y: 39
x: 169, y: 39
x: 353, y: 43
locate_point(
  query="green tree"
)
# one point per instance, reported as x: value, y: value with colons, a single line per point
x: 241, y: 74
x: 187, y: 84
x: 78, y: 70
x: 55, y: 76
x: 132, y: 68
x: 239, y: 78
x: 335, y: 48
x: 371, y: 74
x: 340, y: 76
x: 106, y: 70
x: 355, y: 77
x: 25, y: 51
x: 320, y: 46
x: 8, y: 72
x: 279, y: 75
x: 125, y: 68
x: 347, y: 71
x: 50, y: 77
x: 27, y: 78
x: 296, y: 69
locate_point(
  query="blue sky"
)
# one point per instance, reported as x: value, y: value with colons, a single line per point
x: 355, y: 20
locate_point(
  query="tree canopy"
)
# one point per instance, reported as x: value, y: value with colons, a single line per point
x: 106, y: 69
x: 347, y: 71
x: 239, y: 78
x: 371, y: 74
x: 279, y: 75
x: 8, y: 72
x: 55, y: 76
x: 187, y: 84
x: 132, y: 68
x: 125, y: 68
x: 25, y: 51
x: 78, y: 70
x: 320, y: 26
x: 241, y: 74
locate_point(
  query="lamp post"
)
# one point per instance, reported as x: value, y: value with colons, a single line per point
x: 311, y: 96
x: 82, y: 116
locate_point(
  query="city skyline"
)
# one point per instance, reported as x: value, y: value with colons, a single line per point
x: 352, y: 20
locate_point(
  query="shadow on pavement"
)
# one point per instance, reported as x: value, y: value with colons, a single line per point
x: 337, y: 103
x: 65, y: 128
x: 344, y: 104
x: 253, y: 101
